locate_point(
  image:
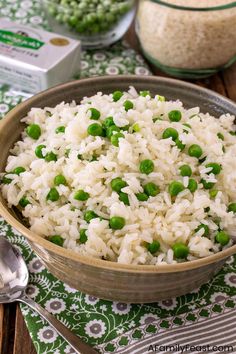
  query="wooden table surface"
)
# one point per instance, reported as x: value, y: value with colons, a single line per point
x: 14, y: 336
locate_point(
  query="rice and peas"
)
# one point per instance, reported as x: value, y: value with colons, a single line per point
x: 126, y: 177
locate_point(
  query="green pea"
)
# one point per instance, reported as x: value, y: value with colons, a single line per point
x: 146, y: 167
x: 123, y: 197
x: 57, y: 239
x: 144, y: 93
x: 175, y: 116
x: 89, y: 215
x: 108, y: 122
x: 83, y: 236
x: 151, y: 189
x: 213, y: 193
x: 50, y: 156
x: 153, y: 247
x: 111, y: 129
x: 115, y: 139
x: 205, y: 227
x: 19, y: 170
x: 220, y: 136
x: 38, y: 151
x: 117, y: 184
x: 33, y: 131
x: 94, y: 113
x: 185, y: 170
x: 142, y: 197
x: 117, y: 95
x: 128, y: 105
x: 180, y: 250
x: 222, y: 237
x: 215, y: 168
x: 195, y: 151
x: 179, y: 144
x: 23, y: 202
x: 6, y: 180
x: 60, y: 130
x: 175, y: 188
x: 73, y: 21
x: 192, y: 185
x: 207, y: 185
x: 96, y: 129
x: 80, y: 27
x: 117, y: 223
x: 60, y: 179
x: 81, y: 195
x: 170, y: 133
x: 232, y: 207
x: 53, y: 195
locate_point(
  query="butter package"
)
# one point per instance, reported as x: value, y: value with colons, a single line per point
x: 32, y: 60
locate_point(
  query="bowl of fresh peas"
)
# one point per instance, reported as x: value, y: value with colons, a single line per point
x: 97, y: 23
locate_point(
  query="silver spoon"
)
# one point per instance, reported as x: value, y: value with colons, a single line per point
x: 14, y: 277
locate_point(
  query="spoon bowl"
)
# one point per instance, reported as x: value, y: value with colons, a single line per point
x: 14, y: 278
x: 14, y: 274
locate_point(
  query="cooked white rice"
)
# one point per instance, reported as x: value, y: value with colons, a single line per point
x: 162, y: 218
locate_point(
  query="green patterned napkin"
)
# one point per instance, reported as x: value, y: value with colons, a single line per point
x: 114, y: 327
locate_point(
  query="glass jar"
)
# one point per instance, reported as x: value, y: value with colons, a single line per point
x: 188, y: 41
x: 97, y: 23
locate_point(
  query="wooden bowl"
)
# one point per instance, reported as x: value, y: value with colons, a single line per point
x: 104, y: 279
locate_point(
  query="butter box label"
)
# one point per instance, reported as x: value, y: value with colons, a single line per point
x: 17, y: 40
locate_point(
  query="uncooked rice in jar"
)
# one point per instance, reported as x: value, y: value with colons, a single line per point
x: 187, y: 39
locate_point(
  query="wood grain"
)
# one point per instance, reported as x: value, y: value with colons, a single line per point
x: 14, y: 336
x: 7, y: 328
x: 1, y: 327
x: 22, y: 341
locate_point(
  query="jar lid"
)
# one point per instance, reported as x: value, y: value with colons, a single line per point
x: 200, y: 5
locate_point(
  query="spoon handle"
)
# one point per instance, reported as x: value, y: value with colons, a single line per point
x: 75, y: 342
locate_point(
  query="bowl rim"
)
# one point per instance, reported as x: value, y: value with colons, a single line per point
x: 88, y: 260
